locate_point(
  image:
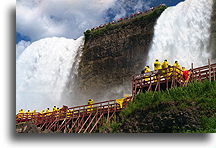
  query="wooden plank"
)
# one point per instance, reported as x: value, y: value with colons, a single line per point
x: 108, y: 114
x: 65, y: 124
x: 79, y: 123
x: 96, y: 123
x: 209, y: 70
x: 90, y: 123
x: 70, y: 130
x: 84, y: 123
x: 112, y: 115
x: 52, y: 125
x: 214, y: 74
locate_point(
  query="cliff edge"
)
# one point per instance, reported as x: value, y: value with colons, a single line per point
x: 113, y: 53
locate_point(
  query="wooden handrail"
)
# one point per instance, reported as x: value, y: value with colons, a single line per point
x: 73, y: 111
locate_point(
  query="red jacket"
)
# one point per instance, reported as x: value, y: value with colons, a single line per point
x: 185, y: 74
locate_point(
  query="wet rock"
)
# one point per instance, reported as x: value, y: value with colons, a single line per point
x: 111, y: 58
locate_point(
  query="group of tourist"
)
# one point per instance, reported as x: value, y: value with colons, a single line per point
x: 62, y: 111
x: 29, y: 114
x: 126, y: 18
x: 166, y: 70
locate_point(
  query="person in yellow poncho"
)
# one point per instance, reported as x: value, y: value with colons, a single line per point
x: 178, y: 70
x: 42, y: 113
x: 69, y: 113
x: 146, y: 70
x: 170, y: 71
x: 164, y: 66
x: 54, y: 109
x: 157, y: 66
x: 28, y: 114
x: 57, y: 111
x: 90, y: 102
x: 120, y: 103
x: 33, y: 113
x: 48, y: 112
x: 20, y: 114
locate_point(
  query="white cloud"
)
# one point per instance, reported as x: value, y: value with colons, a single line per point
x: 123, y: 8
x: 20, y: 47
x: 69, y: 18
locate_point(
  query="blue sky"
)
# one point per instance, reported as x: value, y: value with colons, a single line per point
x: 20, y: 37
x: 39, y: 19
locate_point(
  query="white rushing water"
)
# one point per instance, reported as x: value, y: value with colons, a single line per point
x: 43, y: 70
x: 182, y: 33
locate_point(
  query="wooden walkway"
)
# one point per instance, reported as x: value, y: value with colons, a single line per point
x: 164, y: 79
x: 88, y: 118
x: 79, y: 119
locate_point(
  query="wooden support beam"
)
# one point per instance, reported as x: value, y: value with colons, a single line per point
x: 108, y: 113
x: 79, y: 123
x: 70, y: 130
x: 149, y: 87
x: 66, y: 123
x: 96, y: 123
x: 159, y: 78
x: 43, y: 125
x: 214, y: 73
x: 112, y: 115
x: 166, y: 79
x: 52, y: 125
x: 209, y: 64
x: 90, y: 122
x: 84, y: 123
x: 192, y: 73
x: 59, y: 127
x: 156, y: 86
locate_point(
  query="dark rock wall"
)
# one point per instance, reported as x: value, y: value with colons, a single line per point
x: 111, y: 58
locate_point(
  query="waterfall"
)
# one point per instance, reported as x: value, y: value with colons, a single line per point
x: 182, y: 33
x: 43, y: 70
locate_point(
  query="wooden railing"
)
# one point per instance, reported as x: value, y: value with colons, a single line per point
x: 156, y: 78
x: 73, y: 112
x: 203, y: 73
x: 153, y: 80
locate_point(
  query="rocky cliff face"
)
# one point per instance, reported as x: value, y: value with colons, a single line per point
x: 213, y: 31
x: 112, y: 54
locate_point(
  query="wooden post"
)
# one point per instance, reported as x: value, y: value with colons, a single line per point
x: 174, y: 76
x: 166, y: 78
x: 209, y: 69
x: 108, y: 113
x: 199, y: 75
x: 192, y: 74
x: 159, y: 78
x: 214, y: 73
x: 133, y: 87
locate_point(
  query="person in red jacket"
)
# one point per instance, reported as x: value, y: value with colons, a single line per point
x: 185, y: 73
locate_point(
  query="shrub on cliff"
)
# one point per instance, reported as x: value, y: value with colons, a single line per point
x: 182, y: 109
x: 149, y: 16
